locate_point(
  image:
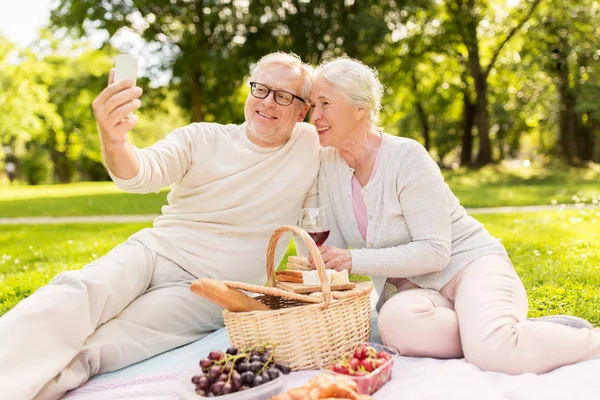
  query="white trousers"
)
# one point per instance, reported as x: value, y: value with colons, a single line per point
x: 122, y: 308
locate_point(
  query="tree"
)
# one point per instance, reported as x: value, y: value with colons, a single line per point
x: 467, y: 16
x: 206, y: 40
x: 569, y: 36
x: 26, y: 110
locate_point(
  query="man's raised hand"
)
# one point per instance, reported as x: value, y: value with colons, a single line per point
x: 114, y: 109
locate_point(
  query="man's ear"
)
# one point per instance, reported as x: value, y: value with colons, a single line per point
x: 303, y: 112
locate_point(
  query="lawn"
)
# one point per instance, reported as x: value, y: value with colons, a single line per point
x: 492, y: 186
x: 85, y: 198
x: 557, y: 254
x: 509, y: 184
x: 30, y: 255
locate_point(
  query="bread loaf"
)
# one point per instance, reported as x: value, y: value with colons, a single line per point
x: 226, y: 297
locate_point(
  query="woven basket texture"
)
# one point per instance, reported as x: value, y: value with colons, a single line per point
x: 307, y: 336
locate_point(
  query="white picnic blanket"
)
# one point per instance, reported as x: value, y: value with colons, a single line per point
x: 413, y: 378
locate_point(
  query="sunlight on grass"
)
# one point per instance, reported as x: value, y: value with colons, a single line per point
x: 557, y: 254
x: 492, y: 186
x: 509, y: 185
x: 18, y: 192
x: 99, y: 198
x: 31, y: 255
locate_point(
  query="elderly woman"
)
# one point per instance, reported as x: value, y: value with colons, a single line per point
x: 447, y: 288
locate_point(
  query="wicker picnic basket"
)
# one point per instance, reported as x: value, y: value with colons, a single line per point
x: 310, y: 332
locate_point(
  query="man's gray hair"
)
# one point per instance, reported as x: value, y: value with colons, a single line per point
x: 357, y: 82
x: 290, y: 60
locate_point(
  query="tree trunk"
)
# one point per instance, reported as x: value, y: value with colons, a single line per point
x: 60, y: 163
x: 196, y: 96
x: 596, y: 148
x: 566, y: 116
x: 471, y: 41
x: 422, y: 114
x: 484, y: 155
x: 424, y: 123
x: 585, y: 138
x: 466, y: 154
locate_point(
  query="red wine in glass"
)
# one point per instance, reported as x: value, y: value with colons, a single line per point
x: 319, y: 236
x: 314, y: 222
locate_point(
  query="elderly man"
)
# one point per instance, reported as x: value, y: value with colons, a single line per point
x: 232, y: 186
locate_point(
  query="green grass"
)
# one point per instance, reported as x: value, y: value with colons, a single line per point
x: 492, y: 186
x: 556, y: 254
x: 30, y: 255
x: 85, y: 198
x: 509, y: 185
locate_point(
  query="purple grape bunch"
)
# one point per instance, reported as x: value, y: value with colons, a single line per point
x: 234, y: 370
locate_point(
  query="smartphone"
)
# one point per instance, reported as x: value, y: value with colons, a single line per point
x: 125, y: 67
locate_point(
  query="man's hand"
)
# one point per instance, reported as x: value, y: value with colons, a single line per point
x: 334, y: 258
x: 113, y: 109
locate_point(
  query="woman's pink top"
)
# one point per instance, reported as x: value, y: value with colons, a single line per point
x: 360, y: 211
x: 358, y: 203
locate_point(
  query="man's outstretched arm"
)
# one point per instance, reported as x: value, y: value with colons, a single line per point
x: 113, y: 109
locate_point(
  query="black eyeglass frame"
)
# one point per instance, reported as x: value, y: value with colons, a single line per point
x: 269, y: 90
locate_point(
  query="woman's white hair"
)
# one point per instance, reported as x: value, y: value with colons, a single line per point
x: 289, y: 60
x: 357, y: 82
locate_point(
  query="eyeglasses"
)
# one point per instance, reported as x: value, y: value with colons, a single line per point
x: 281, y: 97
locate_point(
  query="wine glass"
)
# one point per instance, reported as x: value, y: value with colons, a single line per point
x: 314, y: 222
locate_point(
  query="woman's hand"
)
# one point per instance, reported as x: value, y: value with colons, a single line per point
x: 334, y: 258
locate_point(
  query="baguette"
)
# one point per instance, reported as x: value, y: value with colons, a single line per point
x: 221, y: 294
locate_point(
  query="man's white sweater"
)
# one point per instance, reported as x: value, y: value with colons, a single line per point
x: 228, y: 196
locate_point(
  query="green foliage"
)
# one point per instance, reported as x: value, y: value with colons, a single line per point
x: 542, y: 83
x: 154, y: 125
x: 26, y: 110
x: 37, y: 166
x: 46, y: 103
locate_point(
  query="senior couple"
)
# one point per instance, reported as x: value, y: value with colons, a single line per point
x: 446, y: 287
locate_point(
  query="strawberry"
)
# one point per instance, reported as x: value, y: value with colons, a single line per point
x: 341, y: 369
x: 360, y: 352
x: 383, y: 355
x: 354, y: 363
x: 367, y: 364
x: 380, y: 362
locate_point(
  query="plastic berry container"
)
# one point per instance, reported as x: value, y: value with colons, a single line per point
x: 261, y: 392
x: 372, y: 381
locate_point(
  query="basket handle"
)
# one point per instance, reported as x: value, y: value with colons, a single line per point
x: 312, y: 249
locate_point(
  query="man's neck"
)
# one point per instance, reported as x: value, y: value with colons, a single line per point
x: 263, y: 144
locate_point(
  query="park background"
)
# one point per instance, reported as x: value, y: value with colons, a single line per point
x: 503, y: 94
